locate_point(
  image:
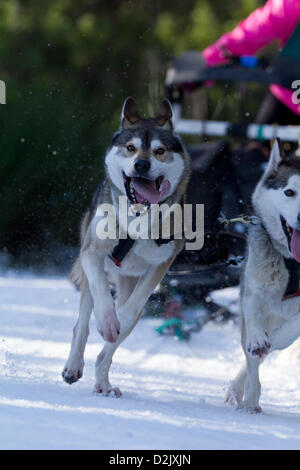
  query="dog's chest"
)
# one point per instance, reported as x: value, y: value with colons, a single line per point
x: 268, y: 278
x: 151, y: 252
x: 273, y: 288
x: 143, y: 254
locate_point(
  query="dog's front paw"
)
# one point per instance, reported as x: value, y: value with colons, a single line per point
x: 109, y: 326
x: 72, y: 374
x: 258, y: 344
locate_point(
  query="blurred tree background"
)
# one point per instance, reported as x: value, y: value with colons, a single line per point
x: 68, y: 66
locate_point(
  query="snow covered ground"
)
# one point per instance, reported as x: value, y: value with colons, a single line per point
x: 172, y: 391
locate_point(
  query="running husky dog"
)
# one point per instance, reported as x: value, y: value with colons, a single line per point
x: 270, y: 292
x: 147, y: 164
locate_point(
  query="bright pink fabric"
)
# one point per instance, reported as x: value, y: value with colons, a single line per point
x: 277, y: 19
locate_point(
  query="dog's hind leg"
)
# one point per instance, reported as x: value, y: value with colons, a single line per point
x: 75, y: 363
x: 236, y: 388
x: 252, y: 385
x: 235, y: 391
x: 125, y: 286
x: 284, y: 336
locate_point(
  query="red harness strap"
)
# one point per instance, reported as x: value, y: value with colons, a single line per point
x: 115, y: 260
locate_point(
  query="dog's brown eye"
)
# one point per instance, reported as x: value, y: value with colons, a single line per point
x: 160, y: 151
x: 130, y: 148
x: 289, y: 193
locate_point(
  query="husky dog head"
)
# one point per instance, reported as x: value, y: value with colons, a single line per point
x: 276, y: 200
x: 146, y: 161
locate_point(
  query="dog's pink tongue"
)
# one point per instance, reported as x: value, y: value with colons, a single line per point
x: 295, y: 245
x: 147, y: 189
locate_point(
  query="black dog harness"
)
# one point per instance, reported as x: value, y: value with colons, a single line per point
x: 292, y: 288
x: 124, y: 245
x: 120, y: 250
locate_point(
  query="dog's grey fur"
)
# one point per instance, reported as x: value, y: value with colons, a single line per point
x: 146, y: 263
x: 268, y: 323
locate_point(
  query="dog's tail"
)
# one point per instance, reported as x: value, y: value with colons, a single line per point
x: 77, y: 275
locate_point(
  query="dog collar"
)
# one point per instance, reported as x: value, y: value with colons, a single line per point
x: 292, y: 288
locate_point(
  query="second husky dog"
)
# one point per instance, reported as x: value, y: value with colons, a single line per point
x: 146, y: 164
x: 270, y: 295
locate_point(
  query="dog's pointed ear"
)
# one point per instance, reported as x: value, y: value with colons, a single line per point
x: 277, y: 155
x: 130, y: 113
x: 165, y: 115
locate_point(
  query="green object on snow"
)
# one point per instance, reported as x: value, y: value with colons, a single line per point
x: 174, y: 323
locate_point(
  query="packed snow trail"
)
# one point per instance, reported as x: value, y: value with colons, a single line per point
x: 173, y: 391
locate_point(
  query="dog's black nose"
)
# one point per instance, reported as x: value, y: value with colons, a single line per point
x: 141, y: 166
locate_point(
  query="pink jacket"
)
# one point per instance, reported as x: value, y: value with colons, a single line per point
x: 277, y: 19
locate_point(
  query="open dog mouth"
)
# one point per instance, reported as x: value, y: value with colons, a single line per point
x: 145, y: 191
x: 293, y: 238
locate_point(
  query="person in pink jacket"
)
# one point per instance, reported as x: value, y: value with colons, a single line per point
x: 276, y: 20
